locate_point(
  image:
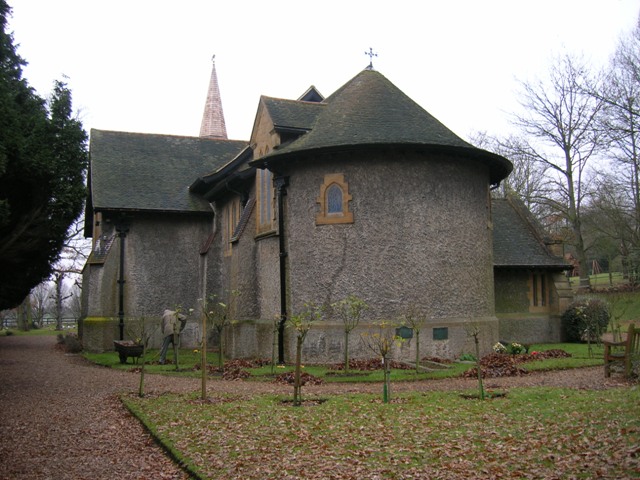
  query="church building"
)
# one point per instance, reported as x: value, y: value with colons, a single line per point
x: 360, y: 193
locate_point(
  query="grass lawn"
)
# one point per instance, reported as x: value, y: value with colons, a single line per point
x: 625, y: 305
x: 580, y: 356
x: 530, y: 433
x: 47, y: 330
x: 188, y: 359
x: 601, y: 280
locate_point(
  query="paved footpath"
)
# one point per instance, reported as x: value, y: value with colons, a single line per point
x: 60, y: 417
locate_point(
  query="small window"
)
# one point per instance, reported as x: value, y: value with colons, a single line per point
x: 334, y: 201
x: 539, y: 292
x: 231, y: 217
x: 266, y: 200
x: 441, y: 333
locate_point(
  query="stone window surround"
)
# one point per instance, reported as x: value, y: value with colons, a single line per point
x: 324, y: 217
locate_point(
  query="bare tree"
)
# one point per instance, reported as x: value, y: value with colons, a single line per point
x: 349, y: 310
x: 415, y: 318
x: 301, y: 324
x: 68, y: 268
x: 620, y: 123
x: 40, y: 302
x: 473, y: 330
x: 610, y: 221
x: 560, y: 120
x: 23, y: 315
x: 75, y: 301
x: 61, y: 293
x: 528, y: 180
x: 380, y: 341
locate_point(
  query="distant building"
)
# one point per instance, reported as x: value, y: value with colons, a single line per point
x: 362, y: 192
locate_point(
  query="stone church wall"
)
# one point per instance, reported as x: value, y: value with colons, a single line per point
x: 517, y: 322
x: 162, y: 266
x: 420, y: 237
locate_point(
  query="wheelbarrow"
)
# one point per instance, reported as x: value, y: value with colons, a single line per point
x: 128, y: 348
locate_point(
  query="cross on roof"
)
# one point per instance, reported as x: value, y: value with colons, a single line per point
x: 371, y: 55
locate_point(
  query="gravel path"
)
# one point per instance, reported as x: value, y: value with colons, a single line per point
x: 60, y: 417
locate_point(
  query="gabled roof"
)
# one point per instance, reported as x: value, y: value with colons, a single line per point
x: 292, y: 114
x: 311, y: 95
x: 517, y: 238
x: 140, y: 171
x: 370, y: 111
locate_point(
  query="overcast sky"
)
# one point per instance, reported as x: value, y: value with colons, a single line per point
x: 144, y: 65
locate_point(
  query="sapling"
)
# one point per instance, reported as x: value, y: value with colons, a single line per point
x: 141, y: 331
x: 415, y: 318
x: 473, y: 330
x: 301, y: 324
x: 203, y: 350
x: 381, y: 342
x: 217, y: 313
x: 349, y: 310
x: 274, y: 342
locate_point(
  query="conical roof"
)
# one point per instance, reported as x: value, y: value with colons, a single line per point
x: 371, y: 111
x: 213, y: 125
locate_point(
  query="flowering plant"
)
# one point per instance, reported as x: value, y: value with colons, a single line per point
x: 515, y: 348
x: 499, y: 348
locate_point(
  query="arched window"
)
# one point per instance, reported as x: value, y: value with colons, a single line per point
x: 334, y: 201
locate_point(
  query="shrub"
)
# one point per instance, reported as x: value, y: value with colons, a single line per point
x: 585, y: 320
x: 467, y: 357
x: 70, y: 342
x: 499, y: 348
x: 515, y: 348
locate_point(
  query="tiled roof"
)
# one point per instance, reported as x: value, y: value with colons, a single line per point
x: 517, y: 239
x: 292, y: 113
x: 140, y: 171
x: 370, y: 111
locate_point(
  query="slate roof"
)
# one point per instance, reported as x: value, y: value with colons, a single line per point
x: 141, y: 171
x: 292, y: 114
x: 517, y: 239
x: 370, y: 111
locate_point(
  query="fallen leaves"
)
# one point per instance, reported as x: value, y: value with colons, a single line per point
x: 533, y: 433
x: 506, y: 365
x: 305, y: 379
x: 497, y: 365
x: 370, y: 364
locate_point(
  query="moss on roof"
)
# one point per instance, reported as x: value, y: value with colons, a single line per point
x: 370, y: 111
x: 140, y: 171
x: 292, y: 113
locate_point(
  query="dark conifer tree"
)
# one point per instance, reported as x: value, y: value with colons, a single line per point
x: 43, y: 159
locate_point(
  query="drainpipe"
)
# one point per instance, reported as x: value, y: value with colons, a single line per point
x: 122, y: 230
x: 281, y: 183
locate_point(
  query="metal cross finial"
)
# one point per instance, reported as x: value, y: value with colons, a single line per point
x: 371, y: 55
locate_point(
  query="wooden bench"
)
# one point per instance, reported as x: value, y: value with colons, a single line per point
x: 624, y: 351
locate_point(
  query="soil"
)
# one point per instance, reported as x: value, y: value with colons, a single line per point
x: 61, y: 417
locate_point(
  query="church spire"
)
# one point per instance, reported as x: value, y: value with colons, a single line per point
x: 213, y: 125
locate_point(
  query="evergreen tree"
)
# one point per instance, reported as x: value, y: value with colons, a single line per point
x: 43, y: 159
